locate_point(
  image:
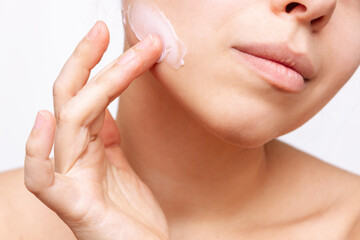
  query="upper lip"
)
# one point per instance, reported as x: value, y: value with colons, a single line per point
x: 281, y: 54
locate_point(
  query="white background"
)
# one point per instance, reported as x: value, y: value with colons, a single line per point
x: 38, y: 36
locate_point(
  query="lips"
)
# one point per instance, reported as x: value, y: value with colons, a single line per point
x: 278, y: 64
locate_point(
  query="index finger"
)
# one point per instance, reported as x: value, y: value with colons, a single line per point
x: 76, y: 71
x: 95, y: 96
x: 80, y: 111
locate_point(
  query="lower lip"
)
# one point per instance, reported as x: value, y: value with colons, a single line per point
x: 274, y: 73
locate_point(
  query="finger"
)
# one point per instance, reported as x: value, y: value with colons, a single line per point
x: 98, y: 93
x: 77, y: 68
x: 38, y: 169
x: 72, y: 134
x: 54, y: 190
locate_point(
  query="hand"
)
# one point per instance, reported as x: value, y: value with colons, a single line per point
x: 93, y: 188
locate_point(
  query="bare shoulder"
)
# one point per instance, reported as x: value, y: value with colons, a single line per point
x: 327, y: 184
x: 354, y: 233
x: 338, y: 179
x: 23, y: 216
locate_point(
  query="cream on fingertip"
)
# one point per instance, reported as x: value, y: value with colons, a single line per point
x: 144, y: 17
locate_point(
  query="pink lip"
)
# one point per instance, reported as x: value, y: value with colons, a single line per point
x: 277, y: 64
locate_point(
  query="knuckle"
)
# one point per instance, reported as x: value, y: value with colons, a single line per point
x: 65, y: 116
x: 30, y: 185
x: 56, y: 89
x: 30, y: 149
x: 139, y: 61
x: 135, y: 67
x: 139, y: 67
x: 79, y: 51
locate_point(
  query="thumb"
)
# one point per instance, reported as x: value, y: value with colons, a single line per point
x: 55, y: 190
x: 38, y: 168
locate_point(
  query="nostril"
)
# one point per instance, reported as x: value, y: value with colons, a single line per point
x: 291, y: 6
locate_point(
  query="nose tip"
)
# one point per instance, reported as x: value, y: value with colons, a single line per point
x: 314, y: 13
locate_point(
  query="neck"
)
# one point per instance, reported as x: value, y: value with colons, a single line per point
x: 190, y: 171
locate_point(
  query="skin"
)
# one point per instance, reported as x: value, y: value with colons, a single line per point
x: 198, y: 156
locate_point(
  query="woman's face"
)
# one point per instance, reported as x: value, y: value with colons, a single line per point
x: 232, y: 99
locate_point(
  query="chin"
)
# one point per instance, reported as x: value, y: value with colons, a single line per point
x: 244, y: 136
x: 251, y: 130
x: 241, y: 126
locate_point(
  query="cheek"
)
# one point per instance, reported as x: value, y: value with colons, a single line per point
x: 239, y: 113
x: 143, y: 17
x: 340, y: 54
x: 228, y: 109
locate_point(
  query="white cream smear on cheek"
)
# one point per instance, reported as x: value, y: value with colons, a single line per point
x: 145, y: 17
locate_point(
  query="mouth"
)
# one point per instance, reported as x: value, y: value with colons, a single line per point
x: 277, y: 64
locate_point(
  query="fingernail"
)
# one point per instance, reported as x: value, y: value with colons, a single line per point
x: 127, y: 57
x: 94, y: 32
x: 38, y: 121
x: 145, y: 43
